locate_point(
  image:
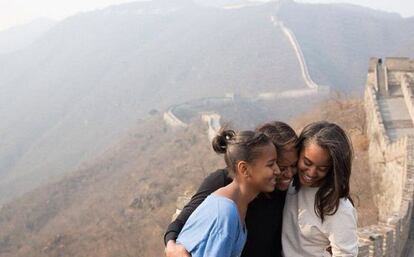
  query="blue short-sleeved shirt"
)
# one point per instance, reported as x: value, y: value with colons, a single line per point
x: 214, y: 229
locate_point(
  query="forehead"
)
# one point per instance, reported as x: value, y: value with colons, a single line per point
x: 287, y: 158
x: 316, y: 154
x: 268, y: 151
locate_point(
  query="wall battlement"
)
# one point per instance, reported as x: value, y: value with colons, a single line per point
x: 390, y: 129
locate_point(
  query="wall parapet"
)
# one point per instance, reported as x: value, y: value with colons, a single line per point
x: 390, y: 237
x: 407, y: 87
x: 376, y: 125
x: 396, y: 150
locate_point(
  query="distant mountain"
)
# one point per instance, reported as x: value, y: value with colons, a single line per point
x: 116, y: 205
x: 19, y: 37
x: 338, y: 39
x: 83, y: 83
x: 230, y: 3
x: 406, y: 47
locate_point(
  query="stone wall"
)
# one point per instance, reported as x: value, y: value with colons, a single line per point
x: 392, y: 168
x: 399, y: 64
x: 407, y: 88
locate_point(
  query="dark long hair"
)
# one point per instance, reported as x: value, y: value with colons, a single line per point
x: 240, y: 146
x: 335, y: 185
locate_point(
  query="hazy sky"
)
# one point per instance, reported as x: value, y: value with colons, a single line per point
x: 403, y: 7
x: 16, y: 12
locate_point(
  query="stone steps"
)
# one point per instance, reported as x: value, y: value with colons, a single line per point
x: 399, y: 124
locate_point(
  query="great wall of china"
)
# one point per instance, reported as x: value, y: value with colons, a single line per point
x: 389, y: 107
x: 298, y: 51
x: 172, y: 118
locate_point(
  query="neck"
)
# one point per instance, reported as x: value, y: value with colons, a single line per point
x: 245, y: 194
x: 242, y: 195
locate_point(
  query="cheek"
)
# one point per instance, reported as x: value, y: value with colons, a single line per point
x: 290, y: 172
x: 322, y: 174
x: 301, y: 166
x: 263, y: 173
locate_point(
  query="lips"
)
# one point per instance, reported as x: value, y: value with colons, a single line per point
x: 284, y: 181
x: 307, y: 179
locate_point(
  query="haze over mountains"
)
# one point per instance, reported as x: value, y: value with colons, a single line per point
x: 19, y: 37
x: 90, y: 77
x: 115, y: 205
x: 68, y: 95
x: 82, y: 106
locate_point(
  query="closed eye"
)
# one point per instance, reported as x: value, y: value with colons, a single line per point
x: 271, y: 163
x: 323, y: 169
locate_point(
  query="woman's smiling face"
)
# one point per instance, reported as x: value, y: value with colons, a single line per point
x: 264, y: 170
x: 314, y: 164
x: 287, y: 162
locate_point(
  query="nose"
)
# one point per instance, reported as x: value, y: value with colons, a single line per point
x: 276, y: 170
x: 289, y: 172
x: 311, y: 172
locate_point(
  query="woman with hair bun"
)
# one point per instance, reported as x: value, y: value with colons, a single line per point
x: 264, y: 214
x: 217, y: 226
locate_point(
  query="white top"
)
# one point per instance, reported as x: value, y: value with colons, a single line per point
x: 304, y: 234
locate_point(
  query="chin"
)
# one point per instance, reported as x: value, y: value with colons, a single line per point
x: 268, y: 189
x: 282, y: 187
x: 303, y: 183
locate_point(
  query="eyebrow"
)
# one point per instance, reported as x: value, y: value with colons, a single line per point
x: 307, y: 159
x: 272, y: 160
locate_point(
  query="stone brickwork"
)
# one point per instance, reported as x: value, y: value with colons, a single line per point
x: 390, y: 128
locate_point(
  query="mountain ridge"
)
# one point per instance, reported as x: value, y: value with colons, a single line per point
x: 89, y: 78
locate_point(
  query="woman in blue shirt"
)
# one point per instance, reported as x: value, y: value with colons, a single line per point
x: 216, y: 227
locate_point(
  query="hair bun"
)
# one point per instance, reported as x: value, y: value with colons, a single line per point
x: 220, y: 142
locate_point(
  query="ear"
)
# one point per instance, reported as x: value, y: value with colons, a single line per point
x: 243, y: 168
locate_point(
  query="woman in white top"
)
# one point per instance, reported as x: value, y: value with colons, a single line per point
x: 319, y: 218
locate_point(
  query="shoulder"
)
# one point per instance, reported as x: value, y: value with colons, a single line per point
x: 217, y: 212
x: 227, y: 207
x: 227, y: 213
x: 346, y: 207
x: 346, y: 215
x: 224, y: 205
